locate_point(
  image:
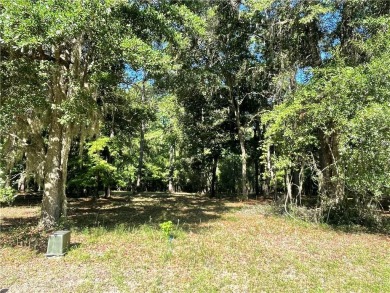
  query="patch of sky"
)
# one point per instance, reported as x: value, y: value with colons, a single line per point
x: 325, y: 55
x: 304, y: 75
x: 329, y: 21
x: 195, y: 65
x: 325, y: 45
x: 336, y: 42
x: 272, y: 12
x: 142, y: 6
x: 253, y: 49
x: 270, y: 100
x: 159, y: 45
x: 363, y: 32
x: 132, y: 76
x: 200, y: 62
x: 328, y: 24
x: 293, y: 3
x: 328, y: 42
x: 242, y: 7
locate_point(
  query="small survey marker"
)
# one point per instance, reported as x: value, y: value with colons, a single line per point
x: 58, y: 244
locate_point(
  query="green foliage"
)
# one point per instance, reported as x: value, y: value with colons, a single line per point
x: 365, y: 149
x: 96, y: 169
x: 7, y: 195
x: 100, y: 166
x: 143, y: 55
x: 211, y: 74
x: 166, y: 228
x: 337, y: 126
x: 354, y: 215
x: 229, y: 173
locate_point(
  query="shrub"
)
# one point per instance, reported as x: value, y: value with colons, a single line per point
x: 7, y: 195
x: 166, y: 228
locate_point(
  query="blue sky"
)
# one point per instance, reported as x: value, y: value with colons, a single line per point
x: 328, y: 24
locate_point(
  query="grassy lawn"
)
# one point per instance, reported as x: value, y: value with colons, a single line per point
x: 218, y: 246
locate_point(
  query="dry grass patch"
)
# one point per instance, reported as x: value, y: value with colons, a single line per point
x: 218, y: 246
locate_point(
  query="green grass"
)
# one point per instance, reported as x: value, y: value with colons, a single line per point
x: 217, y: 247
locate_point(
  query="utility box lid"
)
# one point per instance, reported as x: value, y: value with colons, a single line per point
x: 58, y: 243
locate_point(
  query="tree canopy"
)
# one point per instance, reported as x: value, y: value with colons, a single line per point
x: 280, y: 98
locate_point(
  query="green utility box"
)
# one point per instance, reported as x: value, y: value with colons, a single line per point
x: 58, y: 244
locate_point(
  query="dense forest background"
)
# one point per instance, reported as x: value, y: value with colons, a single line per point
x: 288, y: 99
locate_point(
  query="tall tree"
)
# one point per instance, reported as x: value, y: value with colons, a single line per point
x: 60, y: 59
x: 63, y: 47
x: 218, y: 93
x: 317, y: 127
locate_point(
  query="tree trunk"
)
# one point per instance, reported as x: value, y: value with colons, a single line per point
x: 109, y: 159
x: 66, y: 142
x: 141, y: 144
x: 54, y: 203
x: 338, y: 188
x: 171, y: 187
x: 54, y: 198
x: 289, y: 183
x: 214, y: 175
x: 241, y: 138
x: 329, y: 156
x: 243, y: 165
x: 325, y: 162
x: 141, y: 155
x: 271, y: 171
x: 107, y: 191
x: 301, y: 179
x: 22, y: 182
x: 256, y: 136
x: 295, y: 174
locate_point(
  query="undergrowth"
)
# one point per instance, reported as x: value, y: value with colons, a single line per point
x: 350, y: 219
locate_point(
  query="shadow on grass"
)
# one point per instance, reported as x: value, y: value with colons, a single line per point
x: 137, y: 210
x: 18, y: 223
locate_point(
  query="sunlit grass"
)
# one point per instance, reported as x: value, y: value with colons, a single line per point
x: 246, y: 249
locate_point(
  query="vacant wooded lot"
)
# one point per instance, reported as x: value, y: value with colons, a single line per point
x: 195, y: 146
x: 117, y: 245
